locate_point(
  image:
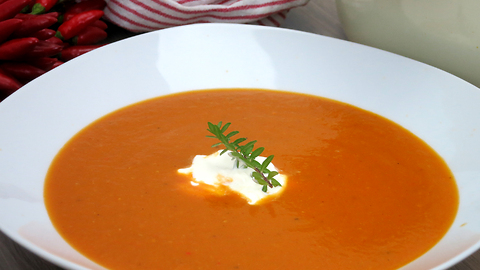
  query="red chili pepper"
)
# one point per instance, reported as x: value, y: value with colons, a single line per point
x: 45, y: 63
x: 100, y: 24
x: 77, y: 50
x: 75, y: 25
x: 8, y: 84
x: 42, y: 6
x: 22, y: 71
x: 44, y: 49
x: 16, y: 48
x: 84, y: 6
x: 24, y: 16
x: 34, y: 24
x: 89, y: 36
x: 55, y: 40
x: 56, y: 64
x: 7, y: 27
x: 11, y: 8
x: 44, y: 34
x: 52, y: 14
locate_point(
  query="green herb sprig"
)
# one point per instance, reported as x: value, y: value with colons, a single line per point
x: 245, y: 154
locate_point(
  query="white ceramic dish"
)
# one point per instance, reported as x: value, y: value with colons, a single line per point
x: 38, y: 119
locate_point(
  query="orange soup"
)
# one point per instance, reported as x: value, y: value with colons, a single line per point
x: 362, y: 192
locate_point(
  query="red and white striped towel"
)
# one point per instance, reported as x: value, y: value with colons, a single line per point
x: 149, y: 15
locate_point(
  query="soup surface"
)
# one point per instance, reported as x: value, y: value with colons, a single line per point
x: 362, y: 192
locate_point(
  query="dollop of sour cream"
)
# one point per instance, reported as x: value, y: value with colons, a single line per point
x: 220, y: 170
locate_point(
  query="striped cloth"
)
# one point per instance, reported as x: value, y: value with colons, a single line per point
x: 149, y: 15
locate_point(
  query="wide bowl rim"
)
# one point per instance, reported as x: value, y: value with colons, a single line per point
x: 208, y: 30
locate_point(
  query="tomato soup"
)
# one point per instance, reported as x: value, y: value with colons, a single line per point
x: 362, y: 192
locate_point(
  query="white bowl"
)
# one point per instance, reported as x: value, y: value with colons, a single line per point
x: 38, y: 119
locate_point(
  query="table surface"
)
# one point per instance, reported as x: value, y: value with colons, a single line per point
x: 318, y: 16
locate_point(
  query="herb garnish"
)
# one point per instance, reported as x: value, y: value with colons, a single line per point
x: 246, y: 154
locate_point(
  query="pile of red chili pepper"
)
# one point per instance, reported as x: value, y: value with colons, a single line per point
x: 39, y: 35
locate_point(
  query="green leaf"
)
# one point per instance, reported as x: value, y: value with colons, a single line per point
x: 223, y: 152
x: 211, y: 127
x: 239, y: 140
x: 266, y: 162
x: 256, y: 153
x: 264, y: 188
x: 232, y: 134
x: 247, y: 150
x: 209, y: 136
x: 256, y: 164
x: 224, y: 128
x: 250, y: 144
x: 217, y: 144
x: 235, y: 154
x: 257, y: 175
x: 272, y: 174
x: 275, y: 183
x: 259, y: 178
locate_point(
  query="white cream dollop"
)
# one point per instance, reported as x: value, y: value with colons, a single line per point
x: 219, y: 170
